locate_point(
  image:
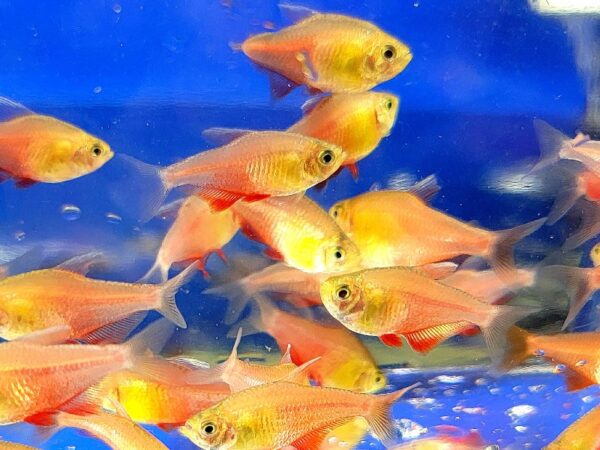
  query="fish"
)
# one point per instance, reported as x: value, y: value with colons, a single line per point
x: 293, y: 285
x: 355, y: 122
x: 346, y: 436
x: 447, y: 441
x: 577, y: 184
x: 580, y: 435
x: 39, y: 376
x: 404, y: 302
x: 595, y: 255
x: 556, y: 146
x: 298, y: 231
x: 240, y: 375
x: 576, y: 351
x: 93, y: 310
x: 344, y: 362
x: 196, y: 233
x: 5, y: 445
x: 280, y: 414
x: 117, y: 431
x: 327, y: 53
x: 255, y: 166
x: 165, y: 403
x: 39, y: 148
x: 396, y: 228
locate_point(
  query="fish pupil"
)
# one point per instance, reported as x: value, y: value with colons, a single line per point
x: 209, y: 428
x: 388, y: 105
x: 389, y: 52
x: 96, y: 150
x: 343, y: 293
x: 327, y: 157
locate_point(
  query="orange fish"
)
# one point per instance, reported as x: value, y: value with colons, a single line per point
x: 581, y: 435
x: 395, y: 228
x: 36, y: 148
x: 327, y: 53
x: 157, y: 402
x: 404, y: 301
x: 92, y: 309
x: 280, y: 414
x: 194, y: 235
x: 36, y: 379
x: 118, y: 431
x: 4, y: 445
x: 253, y: 167
x: 470, y: 441
x: 577, y: 351
x: 344, y: 361
x: 299, y: 232
x: 355, y: 122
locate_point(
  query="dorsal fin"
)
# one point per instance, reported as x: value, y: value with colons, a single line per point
x: 312, y: 103
x: 286, y: 358
x: 10, y: 109
x: 83, y: 263
x: 426, y: 189
x: 300, y: 372
x: 296, y: 13
x: 222, y: 135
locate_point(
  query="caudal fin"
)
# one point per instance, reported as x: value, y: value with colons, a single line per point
x: 517, y: 349
x: 500, y: 320
x: 139, y: 190
x: 589, y: 227
x: 551, y: 142
x: 574, y: 281
x: 168, y: 291
x: 237, y: 294
x: 379, y: 417
x: 501, y: 257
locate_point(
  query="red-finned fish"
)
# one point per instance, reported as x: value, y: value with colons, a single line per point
x: 280, y: 414
x: 240, y: 375
x: 37, y: 148
x: 255, y: 166
x: 194, y: 235
x: 299, y: 232
x: 344, y: 361
x: 577, y: 351
x: 581, y: 435
x: 92, y: 309
x: 396, y: 228
x: 355, y: 122
x: 327, y: 53
x: 404, y: 302
x: 36, y: 379
x: 118, y: 431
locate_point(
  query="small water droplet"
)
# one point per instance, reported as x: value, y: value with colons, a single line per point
x: 416, y: 4
x: 19, y: 235
x: 583, y: 362
x: 521, y: 429
x: 559, y: 368
x: 536, y: 388
x: 117, y: 8
x: 97, y: 89
x: 70, y: 212
x: 113, y: 218
x: 539, y: 352
x: 587, y: 399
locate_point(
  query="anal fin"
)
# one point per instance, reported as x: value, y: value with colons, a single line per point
x: 314, y: 439
x: 575, y: 381
x: 391, y: 340
x: 426, y: 339
x: 219, y: 200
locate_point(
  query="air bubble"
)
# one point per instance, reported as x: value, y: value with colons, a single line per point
x: 113, y: 218
x: 97, y: 89
x: 19, y: 235
x: 70, y: 212
x: 117, y: 8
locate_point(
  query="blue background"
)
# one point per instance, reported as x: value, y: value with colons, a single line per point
x: 149, y: 76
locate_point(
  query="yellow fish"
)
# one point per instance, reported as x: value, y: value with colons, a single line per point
x: 194, y: 235
x: 404, y: 301
x: 327, y: 53
x: 4, y: 445
x: 299, y: 232
x: 280, y: 414
x: 581, y: 435
x: 355, y: 122
x: 36, y: 148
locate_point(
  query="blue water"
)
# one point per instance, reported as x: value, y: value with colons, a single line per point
x: 149, y: 76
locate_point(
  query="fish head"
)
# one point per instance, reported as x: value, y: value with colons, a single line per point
x: 210, y: 430
x: 342, y: 296
x: 323, y: 160
x: 386, y: 58
x: 340, y: 254
x: 340, y: 212
x: 71, y: 156
x: 371, y: 380
x: 386, y: 111
x: 357, y: 373
x: 595, y: 254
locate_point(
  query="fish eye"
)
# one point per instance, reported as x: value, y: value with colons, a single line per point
x: 389, y: 52
x: 343, y: 292
x: 339, y: 253
x: 378, y: 379
x: 96, y: 150
x: 326, y: 157
x: 389, y: 104
x: 208, y: 428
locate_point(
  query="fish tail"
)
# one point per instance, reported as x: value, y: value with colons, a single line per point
x: 589, y: 226
x: 140, y: 188
x: 262, y: 309
x: 499, y: 321
x: 501, y: 255
x: 237, y: 293
x: 158, y: 273
x: 551, y: 142
x: 574, y: 281
x: 168, y: 292
x: 517, y: 349
x: 379, y: 417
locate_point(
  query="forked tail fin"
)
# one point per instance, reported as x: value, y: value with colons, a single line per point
x: 551, y: 143
x: 168, y: 291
